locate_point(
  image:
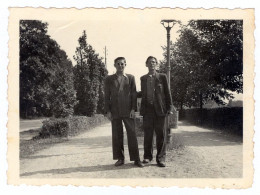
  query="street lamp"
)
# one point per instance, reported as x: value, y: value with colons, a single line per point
x: 171, y: 120
x: 168, y: 24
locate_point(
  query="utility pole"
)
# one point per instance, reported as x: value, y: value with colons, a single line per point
x: 106, y: 56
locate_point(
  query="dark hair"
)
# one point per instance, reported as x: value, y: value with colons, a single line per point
x: 150, y: 57
x: 119, y: 58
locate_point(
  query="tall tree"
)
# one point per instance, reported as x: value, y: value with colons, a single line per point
x: 42, y: 63
x: 101, y: 100
x: 89, y: 73
x: 207, y: 62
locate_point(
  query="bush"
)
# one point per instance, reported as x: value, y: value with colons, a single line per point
x: 70, y: 126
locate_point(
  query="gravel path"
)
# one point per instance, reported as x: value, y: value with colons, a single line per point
x: 205, y: 154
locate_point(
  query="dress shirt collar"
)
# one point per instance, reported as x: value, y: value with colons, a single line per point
x: 124, y: 74
x: 152, y: 75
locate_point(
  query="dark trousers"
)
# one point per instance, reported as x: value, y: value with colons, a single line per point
x: 153, y: 123
x: 118, y: 139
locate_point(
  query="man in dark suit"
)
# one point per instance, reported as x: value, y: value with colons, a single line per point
x: 155, y: 105
x: 120, y: 105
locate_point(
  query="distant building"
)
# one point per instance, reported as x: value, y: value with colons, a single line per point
x: 231, y: 103
x: 237, y: 103
x: 212, y: 104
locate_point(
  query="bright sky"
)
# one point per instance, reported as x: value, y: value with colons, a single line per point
x: 134, y: 37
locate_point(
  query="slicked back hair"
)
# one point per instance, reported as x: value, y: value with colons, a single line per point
x: 119, y: 58
x: 150, y: 57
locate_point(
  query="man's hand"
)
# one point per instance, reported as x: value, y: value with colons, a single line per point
x: 169, y: 112
x: 132, y: 114
x: 109, y: 116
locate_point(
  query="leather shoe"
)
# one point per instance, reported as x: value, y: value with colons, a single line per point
x: 146, y: 161
x: 119, y: 162
x: 139, y: 163
x: 161, y: 164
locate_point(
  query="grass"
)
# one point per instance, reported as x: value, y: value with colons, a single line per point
x: 29, y: 147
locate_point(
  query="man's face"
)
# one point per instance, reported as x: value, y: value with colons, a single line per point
x: 120, y: 65
x: 151, y: 64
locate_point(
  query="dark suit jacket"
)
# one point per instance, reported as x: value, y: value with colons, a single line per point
x: 120, y: 99
x: 162, y: 95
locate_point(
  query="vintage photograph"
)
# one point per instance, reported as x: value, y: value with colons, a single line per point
x: 139, y: 95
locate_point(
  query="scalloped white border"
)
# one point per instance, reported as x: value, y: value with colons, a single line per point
x: 140, y: 4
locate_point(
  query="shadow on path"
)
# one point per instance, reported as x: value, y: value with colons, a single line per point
x: 90, y: 142
x: 197, y: 138
x: 86, y: 169
x: 192, y: 135
x: 48, y: 156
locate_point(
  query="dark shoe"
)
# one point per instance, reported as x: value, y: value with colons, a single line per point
x: 119, y: 162
x: 139, y: 163
x: 147, y: 161
x: 161, y: 164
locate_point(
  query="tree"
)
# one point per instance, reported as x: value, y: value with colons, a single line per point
x: 43, y: 65
x: 63, y: 94
x: 89, y: 75
x: 101, y: 100
x: 206, y: 62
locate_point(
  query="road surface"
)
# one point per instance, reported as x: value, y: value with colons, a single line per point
x: 203, y: 154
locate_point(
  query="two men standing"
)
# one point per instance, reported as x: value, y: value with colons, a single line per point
x: 120, y: 105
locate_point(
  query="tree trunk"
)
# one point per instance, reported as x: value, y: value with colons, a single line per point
x: 201, y: 102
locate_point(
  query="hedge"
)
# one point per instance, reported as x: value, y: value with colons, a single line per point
x: 70, y: 126
x: 229, y: 119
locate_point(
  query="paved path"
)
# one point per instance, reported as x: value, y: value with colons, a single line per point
x: 205, y: 153
x: 26, y: 125
x: 30, y: 128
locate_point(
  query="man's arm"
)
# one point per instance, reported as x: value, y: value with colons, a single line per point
x: 168, y: 96
x: 133, y: 94
x: 133, y: 98
x: 107, y: 95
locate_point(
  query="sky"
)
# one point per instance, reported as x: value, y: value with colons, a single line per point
x: 134, y: 38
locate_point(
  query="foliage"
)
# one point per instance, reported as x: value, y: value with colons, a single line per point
x: 70, y: 126
x: 228, y: 119
x: 89, y: 74
x: 45, y: 73
x: 207, y: 62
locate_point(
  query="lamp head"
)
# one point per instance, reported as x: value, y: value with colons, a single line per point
x: 169, y: 23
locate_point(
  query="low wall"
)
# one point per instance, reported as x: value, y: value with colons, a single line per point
x: 226, y: 119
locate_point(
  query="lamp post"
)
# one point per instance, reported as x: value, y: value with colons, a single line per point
x: 170, y: 120
x: 168, y: 24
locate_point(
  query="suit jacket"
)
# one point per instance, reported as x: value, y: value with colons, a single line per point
x: 120, y: 99
x: 162, y: 95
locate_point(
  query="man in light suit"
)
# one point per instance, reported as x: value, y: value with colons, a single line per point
x: 155, y: 105
x: 120, y: 105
